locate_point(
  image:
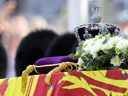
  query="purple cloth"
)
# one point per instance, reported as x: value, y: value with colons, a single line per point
x: 54, y: 60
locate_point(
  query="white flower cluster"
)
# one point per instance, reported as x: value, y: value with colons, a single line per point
x: 103, y: 42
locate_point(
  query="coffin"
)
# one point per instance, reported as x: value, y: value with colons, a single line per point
x: 75, y: 83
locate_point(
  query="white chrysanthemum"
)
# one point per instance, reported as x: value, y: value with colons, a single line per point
x: 87, y: 45
x: 88, y: 42
x: 122, y: 44
x: 97, y: 46
x: 94, y: 45
x: 110, y: 42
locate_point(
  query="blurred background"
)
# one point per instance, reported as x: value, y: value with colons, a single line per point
x: 19, y: 17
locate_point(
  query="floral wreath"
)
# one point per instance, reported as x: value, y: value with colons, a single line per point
x: 101, y: 47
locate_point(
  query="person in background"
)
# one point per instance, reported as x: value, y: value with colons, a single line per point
x: 32, y: 47
x: 38, y: 22
x: 13, y: 28
x: 3, y: 60
x: 63, y: 45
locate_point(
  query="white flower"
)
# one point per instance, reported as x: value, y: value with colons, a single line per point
x: 97, y: 46
x: 104, y: 43
x: 93, y: 45
x: 122, y: 44
x: 100, y: 42
x: 110, y: 43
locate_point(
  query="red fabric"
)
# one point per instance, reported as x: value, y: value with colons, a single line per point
x: 99, y: 92
x: 93, y: 87
x: 60, y: 91
x: 3, y: 87
x: 41, y: 88
x: 115, y: 74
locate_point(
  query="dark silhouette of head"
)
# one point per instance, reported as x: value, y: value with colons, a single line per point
x: 3, y: 60
x: 32, y: 47
x: 62, y: 45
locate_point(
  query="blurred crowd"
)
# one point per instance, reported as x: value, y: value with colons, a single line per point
x: 22, y: 42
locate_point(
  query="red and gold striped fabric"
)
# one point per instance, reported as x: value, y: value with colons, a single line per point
x: 86, y: 83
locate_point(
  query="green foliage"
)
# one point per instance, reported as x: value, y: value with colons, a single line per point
x: 102, y: 61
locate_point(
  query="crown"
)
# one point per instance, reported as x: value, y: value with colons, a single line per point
x: 86, y: 31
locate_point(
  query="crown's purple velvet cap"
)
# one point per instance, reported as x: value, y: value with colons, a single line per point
x: 54, y: 60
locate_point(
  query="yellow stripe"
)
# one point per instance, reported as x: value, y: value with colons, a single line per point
x: 11, y: 88
x: 15, y: 84
x: 18, y: 87
x: 14, y: 88
x: 30, y: 86
x: 27, y: 86
x: 1, y: 81
x: 99, y: 77
x: 34, y: 84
